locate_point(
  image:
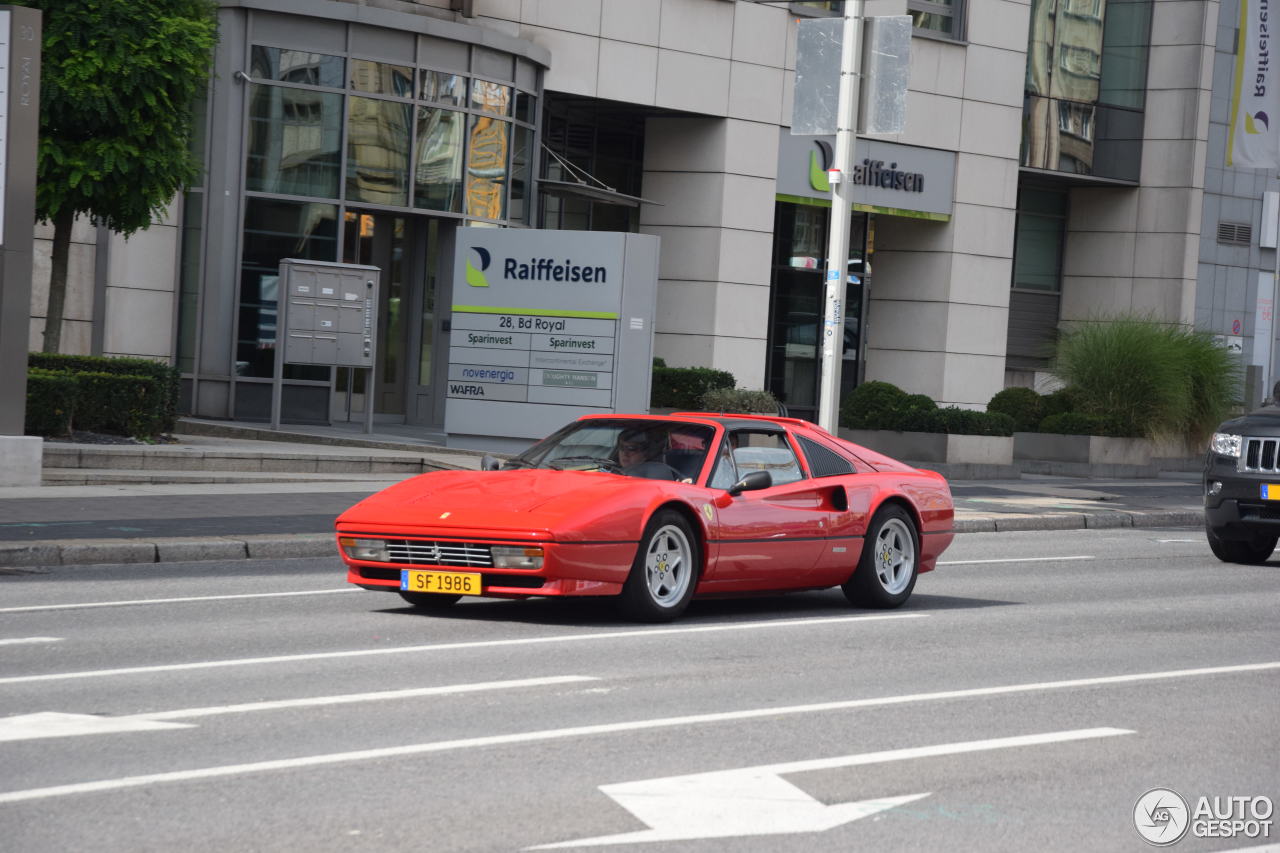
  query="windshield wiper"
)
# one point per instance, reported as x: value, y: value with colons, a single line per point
x: 599, y: 461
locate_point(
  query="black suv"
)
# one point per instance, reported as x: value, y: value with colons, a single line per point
x: 1242, y: 487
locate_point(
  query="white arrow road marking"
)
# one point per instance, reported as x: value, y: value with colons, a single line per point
x: 756, y: 801
x: 22, y: 641
x: 53, y: 724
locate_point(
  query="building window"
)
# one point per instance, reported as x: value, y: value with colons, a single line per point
x: 944, y: 18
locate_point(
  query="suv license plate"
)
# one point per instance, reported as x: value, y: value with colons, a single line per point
x: 447, y: 583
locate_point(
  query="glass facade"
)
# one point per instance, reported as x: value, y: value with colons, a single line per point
x: 332, y: 139
x: 1085, y: 87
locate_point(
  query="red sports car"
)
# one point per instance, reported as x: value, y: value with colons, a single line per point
x: 655, y: 510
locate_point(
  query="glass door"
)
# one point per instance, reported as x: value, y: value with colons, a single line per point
x: 378, y: 239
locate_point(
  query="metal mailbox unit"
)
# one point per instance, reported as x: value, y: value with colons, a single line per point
x: 329, y: 316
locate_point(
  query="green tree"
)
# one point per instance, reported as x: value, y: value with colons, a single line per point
x: 119, y: 80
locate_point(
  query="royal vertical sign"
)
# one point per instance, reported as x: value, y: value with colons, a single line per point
x: 1254, y: 132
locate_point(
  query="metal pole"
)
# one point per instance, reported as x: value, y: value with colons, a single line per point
x: 841, y: 210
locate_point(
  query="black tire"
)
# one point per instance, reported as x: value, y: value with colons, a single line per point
x: 890, y: 561
x: 429, y: 600
x: 664, y: 571
x: 1249, y: 552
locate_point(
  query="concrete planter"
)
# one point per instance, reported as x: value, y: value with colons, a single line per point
x: 935, y: 446
x: 1083, y: 449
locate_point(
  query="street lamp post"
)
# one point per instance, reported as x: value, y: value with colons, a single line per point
x: 841, y: 209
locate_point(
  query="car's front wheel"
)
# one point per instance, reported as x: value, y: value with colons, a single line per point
x: 1247, y: 551
x: 429, y: 600
x: 886, y: 571
x: 665, y: 570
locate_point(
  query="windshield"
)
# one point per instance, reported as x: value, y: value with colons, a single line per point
x: 655, y: 450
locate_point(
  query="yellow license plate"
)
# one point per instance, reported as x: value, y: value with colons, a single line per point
x: 447, y: 583
x: 1270, y: 492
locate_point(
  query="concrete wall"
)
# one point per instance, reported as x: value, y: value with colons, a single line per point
x: 940, y: 291
x: 136, y: 289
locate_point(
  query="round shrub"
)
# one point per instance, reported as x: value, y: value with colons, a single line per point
x: 868, y: 405
x: 1023, y: 405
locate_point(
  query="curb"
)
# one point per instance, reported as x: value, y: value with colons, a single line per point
x: 16, y: 555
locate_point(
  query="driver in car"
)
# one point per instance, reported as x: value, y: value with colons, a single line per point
x: 640, y: 454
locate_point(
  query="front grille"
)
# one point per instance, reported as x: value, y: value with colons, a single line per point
x: 1260, y: 455
x: 419, y: 552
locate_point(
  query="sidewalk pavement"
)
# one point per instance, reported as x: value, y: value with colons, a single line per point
x: 235, y: 493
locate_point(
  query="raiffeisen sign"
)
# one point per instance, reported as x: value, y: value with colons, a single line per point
x: 546, y: 326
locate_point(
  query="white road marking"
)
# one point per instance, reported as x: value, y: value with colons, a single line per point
x: 37, y: 607
x: 598, y: 729
x: 476, y: 644
x: 1164, y: 541
x: 22, y: 641
x: 349, y: 698
x: 1014, y: 560
x: 53, y: 724
x: 757, y: 801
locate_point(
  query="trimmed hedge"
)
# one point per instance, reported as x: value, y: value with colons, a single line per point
x: 739, y: 401
x: 1078, y: 423
x: 121, y: 405
x: 51, y: 397
x: 683, y: 387
x: 165, y: 377
x: 882, y: 405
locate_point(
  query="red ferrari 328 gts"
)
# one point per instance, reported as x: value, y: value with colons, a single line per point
x: 655, y: 510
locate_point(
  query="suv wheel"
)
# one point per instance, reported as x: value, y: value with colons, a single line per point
x: 1247, y: 551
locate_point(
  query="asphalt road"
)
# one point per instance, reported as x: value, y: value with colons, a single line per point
x: 1033, y: 689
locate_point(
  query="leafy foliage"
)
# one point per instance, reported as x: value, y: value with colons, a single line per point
x: 739, y: 400
x: 124, y: 396
x: 166, y: 378
x: 50, y: 398
x: 683, y: 387
x: 883, y: 405
x: 1149, y: 378
x: 1023, y: 405
x: 119, y: 80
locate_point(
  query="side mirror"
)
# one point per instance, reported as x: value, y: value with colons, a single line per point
x: 489, y: 462
x: 754, y: 481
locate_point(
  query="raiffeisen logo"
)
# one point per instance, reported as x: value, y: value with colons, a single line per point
x: 1251, y: 122
x: 546, y: 269
x: 475, y: 275
x: 818, y: 167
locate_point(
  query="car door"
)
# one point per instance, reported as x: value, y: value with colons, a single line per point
x: 770, y: 538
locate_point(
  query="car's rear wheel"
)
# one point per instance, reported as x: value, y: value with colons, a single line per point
x: 1247, y: 551
x: 429, y: 600
x: 890, y: 560
x: 665, y: 570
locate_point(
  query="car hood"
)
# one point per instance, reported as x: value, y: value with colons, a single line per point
x: 530, y: 502
x: 1260, y: 422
